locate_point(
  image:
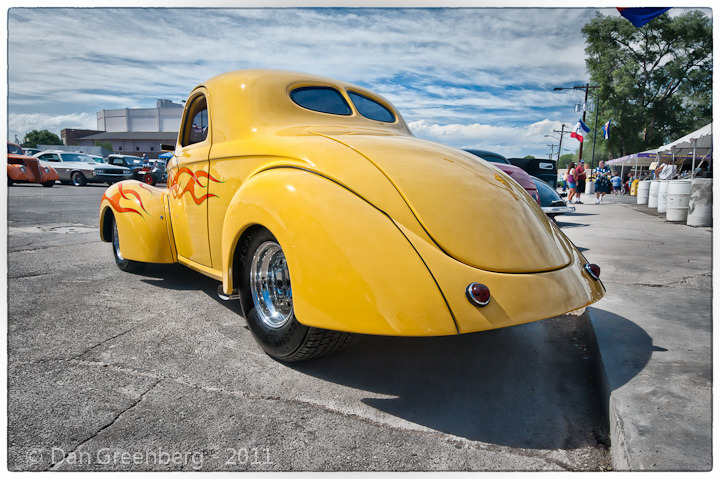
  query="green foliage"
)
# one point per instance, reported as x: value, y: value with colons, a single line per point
x: 566, y: 159
x: 528, y: 157
x: 42, y: 137
x: 655, y: 81
x: 104, y: 144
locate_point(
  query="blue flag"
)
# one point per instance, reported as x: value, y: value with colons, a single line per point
x: 640, y: 16
x: 606, y: 130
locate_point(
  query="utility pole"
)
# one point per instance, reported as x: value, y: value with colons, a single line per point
x: 562, y: 132
x: 587, y: 88
x: 552, y: 150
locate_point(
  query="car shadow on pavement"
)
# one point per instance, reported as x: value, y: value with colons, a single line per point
x: 530, y: 386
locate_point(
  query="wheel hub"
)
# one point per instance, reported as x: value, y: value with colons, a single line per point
x: 270, y: 285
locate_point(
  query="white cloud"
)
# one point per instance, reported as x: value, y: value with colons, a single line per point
x: 485, y: 70
x: 22, y: 123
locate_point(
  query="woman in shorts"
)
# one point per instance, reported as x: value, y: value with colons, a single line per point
x: 572, y: 181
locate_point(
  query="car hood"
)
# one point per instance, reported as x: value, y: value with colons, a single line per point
x: 473, y: 211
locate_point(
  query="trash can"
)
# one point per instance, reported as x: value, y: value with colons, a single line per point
x: 653, y: 196
x: 678, y: 200
x: 700, y: 207
x: 643, y: 192
x: 662, y: 196
x: 634, y: 187
x: 589, y: 187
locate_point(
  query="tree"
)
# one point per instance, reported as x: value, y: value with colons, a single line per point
x: 42, y: 137
x: 104, y: 144
x: 528, y: 157
x: 655, y: 81
x: 566, y: 159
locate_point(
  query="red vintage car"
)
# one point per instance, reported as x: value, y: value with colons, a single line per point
x: 26, y: 169
x: 515, y: 172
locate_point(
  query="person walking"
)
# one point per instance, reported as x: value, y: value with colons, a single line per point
x: 581, y: 177
x: 602, y: 182
x: 572, y: 181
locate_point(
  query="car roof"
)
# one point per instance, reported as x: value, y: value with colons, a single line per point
x: 483, y: 153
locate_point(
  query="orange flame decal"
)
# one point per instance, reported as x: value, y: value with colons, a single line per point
x: 114, y: 201
x: 192, y: 182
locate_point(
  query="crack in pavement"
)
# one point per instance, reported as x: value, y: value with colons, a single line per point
x: 456, y: 441
x: 99, y: 344
x: 114, y: 420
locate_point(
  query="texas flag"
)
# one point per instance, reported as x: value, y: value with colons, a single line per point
x: 641, y: 15
x: 606, y: 130
x: 579, y: 132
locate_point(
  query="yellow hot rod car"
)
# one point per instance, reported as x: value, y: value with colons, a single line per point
x: 315, y: 206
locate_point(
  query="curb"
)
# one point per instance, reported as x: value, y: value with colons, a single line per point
x: 619, y: 454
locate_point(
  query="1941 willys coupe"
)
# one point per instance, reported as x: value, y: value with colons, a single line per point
x: 316, y: 207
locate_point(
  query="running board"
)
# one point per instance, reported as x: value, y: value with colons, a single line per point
x: 225, y: 297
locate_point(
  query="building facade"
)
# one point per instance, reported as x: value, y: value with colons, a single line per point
x: 164, y: 117
x: 132, y: 131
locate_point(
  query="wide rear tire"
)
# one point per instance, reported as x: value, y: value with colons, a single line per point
x: 271, y: 317
x: 124, y: 264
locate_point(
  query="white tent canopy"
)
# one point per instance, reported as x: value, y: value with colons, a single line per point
x: 698, y: 142
x: 696, y: 145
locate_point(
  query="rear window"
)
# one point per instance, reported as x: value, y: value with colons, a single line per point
x: 15, y: 150
x: 322, y: 99
x: 371, y: 109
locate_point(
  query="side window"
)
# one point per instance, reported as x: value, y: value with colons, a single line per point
x: 370, y: 108
x: 117, y: 162
x: 50, y: 157
x: 195, y: 128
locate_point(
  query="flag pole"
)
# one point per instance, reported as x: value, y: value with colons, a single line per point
x: 592, y: 161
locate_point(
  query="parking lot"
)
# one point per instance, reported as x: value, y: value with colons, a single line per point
x: 151, y: 371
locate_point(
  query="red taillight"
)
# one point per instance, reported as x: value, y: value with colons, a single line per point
x: 594, y: 270
x: 478, y: 294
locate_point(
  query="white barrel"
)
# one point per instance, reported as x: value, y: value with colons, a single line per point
x: 678, y: 199
x: 700, y: 207
x: 652, y: 198
x: 662, y: 196
x: 643, y: 192
x: 589, y: 188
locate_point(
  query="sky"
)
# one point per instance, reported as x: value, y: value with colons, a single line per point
x: 467, y: 77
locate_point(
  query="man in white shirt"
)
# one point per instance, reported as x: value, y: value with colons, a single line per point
x: 665, y: 171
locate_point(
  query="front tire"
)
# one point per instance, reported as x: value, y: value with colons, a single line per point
x: 78, y: 179
x: 149, y: 179
x: 271, y: 318
x: 124, y: 264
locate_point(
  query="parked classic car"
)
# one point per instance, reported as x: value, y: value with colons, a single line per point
x: 25, y: 169
x: 80, y: 169
x: 515, y: 172
x: 142, y: 169
x: 550, y: 200
x: 313, y: 204
x: 541, y: 168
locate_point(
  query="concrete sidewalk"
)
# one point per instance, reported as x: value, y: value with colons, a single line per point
x: 653, y: 332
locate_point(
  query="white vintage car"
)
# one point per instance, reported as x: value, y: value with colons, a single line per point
x: 80, y: 169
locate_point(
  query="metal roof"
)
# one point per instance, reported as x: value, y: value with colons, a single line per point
x: 133, y: 135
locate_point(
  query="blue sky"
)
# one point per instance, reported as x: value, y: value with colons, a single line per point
x: 467, y: 77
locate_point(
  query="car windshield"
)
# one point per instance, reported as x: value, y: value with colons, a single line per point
x: 15, y: 150
x: 76, y: 157
x: 547, y: 194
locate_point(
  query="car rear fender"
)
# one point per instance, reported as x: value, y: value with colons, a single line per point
x: 351, y: 267
x: 140, y: 211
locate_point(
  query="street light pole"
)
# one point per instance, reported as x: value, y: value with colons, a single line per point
x: 587, y: 88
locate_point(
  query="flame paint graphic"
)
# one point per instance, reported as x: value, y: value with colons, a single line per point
x: 192, y: 182
x: 122, y: 193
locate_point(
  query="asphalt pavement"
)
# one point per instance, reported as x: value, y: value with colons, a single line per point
x: 151, y: 371
x: 653, y: 332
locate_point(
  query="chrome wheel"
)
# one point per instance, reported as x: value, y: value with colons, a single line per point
x: 270, y: 285
x: 116, y: 242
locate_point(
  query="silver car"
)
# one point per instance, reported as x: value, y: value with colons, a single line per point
x: 80, y: 169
